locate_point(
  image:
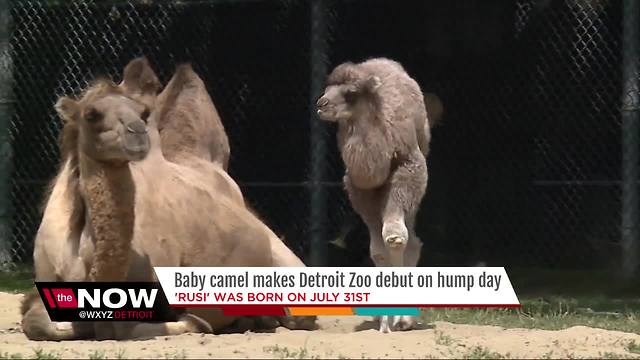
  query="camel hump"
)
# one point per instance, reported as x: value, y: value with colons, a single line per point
x: 139, y: 77
x: 185, y: 72
x: 189, y: 112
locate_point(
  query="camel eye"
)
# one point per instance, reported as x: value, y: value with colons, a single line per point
x: 350, y: 94
x: 93, y: 116
x: 145, y: 115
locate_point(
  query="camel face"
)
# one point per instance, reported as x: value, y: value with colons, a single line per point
x: 341, y: 101
x: 336, y: 103
x: 114, y: 129
x: 111, y: 127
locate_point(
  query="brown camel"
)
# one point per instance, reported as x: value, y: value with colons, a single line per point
x: 64, y: 247
x: 183, y: 127
x: 189, y: 123
x: 383, y: 137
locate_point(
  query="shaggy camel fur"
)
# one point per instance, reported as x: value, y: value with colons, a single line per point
x: 64, y: 246
x: 383, y: 136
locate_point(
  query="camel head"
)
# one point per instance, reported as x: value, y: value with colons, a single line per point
x: 348, y: 89
x: 109, y: 125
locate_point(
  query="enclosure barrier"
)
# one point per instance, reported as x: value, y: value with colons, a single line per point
x: 630, y: 138
x: 319, y: 70
x: 6, y: 102
x: 535, y: 164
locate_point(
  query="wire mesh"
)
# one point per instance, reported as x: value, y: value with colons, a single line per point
x: 524, y: 171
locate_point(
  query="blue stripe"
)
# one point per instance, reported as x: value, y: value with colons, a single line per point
x: 390, y: 311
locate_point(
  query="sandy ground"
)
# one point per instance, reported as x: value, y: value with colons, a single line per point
x: 337, y: 338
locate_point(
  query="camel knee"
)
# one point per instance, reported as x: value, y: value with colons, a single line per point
x: 35, y: 321
x: 395, y: 234
x: 396, y: 237
x: 37, y: 326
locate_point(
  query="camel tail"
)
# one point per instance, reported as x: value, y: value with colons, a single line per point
x: 435, y: 109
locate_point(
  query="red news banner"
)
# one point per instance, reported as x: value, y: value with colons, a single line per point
x: 348, y: 287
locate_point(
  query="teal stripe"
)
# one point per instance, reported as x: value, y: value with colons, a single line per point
x: 390, y: 311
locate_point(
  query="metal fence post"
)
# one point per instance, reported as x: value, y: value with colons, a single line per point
x: 630, y: 137
x: 6, y: 102
x: 319, y: 64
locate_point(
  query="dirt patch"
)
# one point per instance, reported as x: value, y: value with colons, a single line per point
x: 337, y: 338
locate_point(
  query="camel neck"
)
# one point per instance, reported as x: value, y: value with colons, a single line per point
x: 109, y: 194
x: 366, y: 119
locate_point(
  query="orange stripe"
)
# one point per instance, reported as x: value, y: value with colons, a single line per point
x: 306, y: 311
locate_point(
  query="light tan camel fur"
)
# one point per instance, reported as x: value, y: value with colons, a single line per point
x: 150, y: 206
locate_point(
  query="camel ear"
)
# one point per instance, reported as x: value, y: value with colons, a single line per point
x: 372, y: 83
x: 139, y: 77
x: 67, y: 108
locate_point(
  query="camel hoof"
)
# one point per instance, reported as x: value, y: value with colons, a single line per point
x: 244, y: 324
x: 395, y: 234
x: 403, y: 323
x: 299, y: 322
x: 384, y: 325
x: 195, y: 324
x: 267, y: 322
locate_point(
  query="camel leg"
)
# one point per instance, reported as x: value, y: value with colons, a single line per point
x: 411, y: 258
x: 284, y: 257
x: 407, y: 187
x: 414, y: 246
x: 298, y: 322
x: 37, y: 325
x: 380, y: 257
x: 187, y: 323
x: 368, y: 204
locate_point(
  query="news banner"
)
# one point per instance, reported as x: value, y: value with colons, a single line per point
x: 295, y: 291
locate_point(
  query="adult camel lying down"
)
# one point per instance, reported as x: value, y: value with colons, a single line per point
x: 67, y: 244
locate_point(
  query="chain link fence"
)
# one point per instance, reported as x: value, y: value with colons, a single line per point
x: 526, y: 169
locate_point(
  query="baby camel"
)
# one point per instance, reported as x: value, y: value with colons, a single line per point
x: 383, y: 136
